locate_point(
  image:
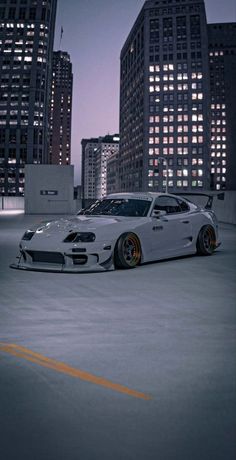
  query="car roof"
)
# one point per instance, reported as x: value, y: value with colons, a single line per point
x: 134, y: 195
x: 143, y: 195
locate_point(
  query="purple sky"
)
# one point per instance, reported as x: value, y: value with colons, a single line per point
x: 94, y: 33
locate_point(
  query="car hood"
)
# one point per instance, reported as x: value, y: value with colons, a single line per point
x: 83, y: 224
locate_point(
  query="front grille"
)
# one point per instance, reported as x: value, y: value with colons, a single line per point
x: 47, y: 257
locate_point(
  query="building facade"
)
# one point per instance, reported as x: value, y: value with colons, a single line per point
x: 108, y: 145
x: 95, y: 154
x: 112, y: 172
x: 61, y: 109
x: 89, y: 149
x: 164, y: 104
x: 222, y: 60
x: 26, y: 43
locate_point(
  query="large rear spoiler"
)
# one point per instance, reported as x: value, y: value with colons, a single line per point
x: 219, y: 196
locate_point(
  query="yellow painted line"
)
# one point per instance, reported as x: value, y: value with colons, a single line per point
x: 37, y: 358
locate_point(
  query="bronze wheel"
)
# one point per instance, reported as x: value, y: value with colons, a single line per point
x: 127, y: 252
x: 206, y: 242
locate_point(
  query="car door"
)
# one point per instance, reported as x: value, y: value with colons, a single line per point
x: 171, y: 233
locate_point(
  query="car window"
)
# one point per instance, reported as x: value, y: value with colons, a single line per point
x: 184, y: 206
x: 118, y: 207
x: 168, y: 204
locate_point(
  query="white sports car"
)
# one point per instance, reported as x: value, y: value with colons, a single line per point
x: 122, y: 230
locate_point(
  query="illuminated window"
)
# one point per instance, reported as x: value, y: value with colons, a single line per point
x: 168, y: 129
x: 197, y: 96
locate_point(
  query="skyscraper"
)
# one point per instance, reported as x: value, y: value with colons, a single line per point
x: 88, y: 160
x: 164, y: 103
x: 26, y: 42
x: 108, y: 145
x: 222, y: 60
x: 95, y: 153
x: 60, y: 109
x: 112, y: 169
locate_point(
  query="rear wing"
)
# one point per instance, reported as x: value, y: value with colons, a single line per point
x: 208, y: 205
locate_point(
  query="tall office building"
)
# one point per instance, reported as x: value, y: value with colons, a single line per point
x: 222, y: 59
x: 60, y: 109
x: 164, y: 103
x: 88, y: 162
x: 95, y: 154
x: 108, y: 145
x: 112, y: 175
x: 26, y: 42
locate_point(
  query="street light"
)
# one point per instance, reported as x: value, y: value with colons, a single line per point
x: 166, y: 164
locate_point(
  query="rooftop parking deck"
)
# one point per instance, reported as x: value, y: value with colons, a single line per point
x: 161, y: 337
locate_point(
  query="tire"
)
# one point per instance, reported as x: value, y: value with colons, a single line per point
x: 127, y: 253
x: 206, y: 242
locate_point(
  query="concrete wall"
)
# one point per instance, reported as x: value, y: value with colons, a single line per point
x: 12, y: 202
x: 226, y: 210
x: 49, y: 189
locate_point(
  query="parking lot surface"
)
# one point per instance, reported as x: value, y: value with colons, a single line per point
x: 124, y: 365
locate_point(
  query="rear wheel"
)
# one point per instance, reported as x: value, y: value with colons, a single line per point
x: 127, y: 252
x: 206, y: 242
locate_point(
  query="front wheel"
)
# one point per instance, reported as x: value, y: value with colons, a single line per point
x: 206, y: 242
x: 127, y: 253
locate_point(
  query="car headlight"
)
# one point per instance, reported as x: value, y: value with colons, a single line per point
x: 28, y: 235
x: 80, y: 237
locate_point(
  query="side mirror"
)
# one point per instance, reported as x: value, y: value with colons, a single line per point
x: 158, y: 213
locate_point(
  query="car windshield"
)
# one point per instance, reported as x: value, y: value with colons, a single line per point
x: 118, y: 207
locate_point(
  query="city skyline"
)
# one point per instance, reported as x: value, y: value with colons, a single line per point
x: 87, y: 29
x: 26, y: 48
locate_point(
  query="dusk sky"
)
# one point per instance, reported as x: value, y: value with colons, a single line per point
x: 94, y: 32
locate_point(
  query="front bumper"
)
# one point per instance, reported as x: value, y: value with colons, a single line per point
x: 75, y: 260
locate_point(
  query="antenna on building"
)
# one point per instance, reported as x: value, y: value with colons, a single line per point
x: 61, y: 37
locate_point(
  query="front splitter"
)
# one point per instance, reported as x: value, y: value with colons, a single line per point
x: 61, y: 270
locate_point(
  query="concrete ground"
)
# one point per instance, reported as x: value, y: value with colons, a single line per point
x: 166, y: 330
